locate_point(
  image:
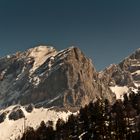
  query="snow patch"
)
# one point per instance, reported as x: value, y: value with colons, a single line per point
x: 80, y: 137
x: 52, y: 100
x: 35, y: 80
x: 119, y: 91
x: 134, y: 90
x: 8, y: 56
x: 137, y: 84
x: 21, y: 75
x: 10, y: 130
x: 136, y: 72
x: 40, y: 55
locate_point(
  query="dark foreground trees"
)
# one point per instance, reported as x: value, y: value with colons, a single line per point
x: 96, y: 121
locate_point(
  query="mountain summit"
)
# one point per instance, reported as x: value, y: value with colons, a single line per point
x: 46, y: 77
x: 125, y: 76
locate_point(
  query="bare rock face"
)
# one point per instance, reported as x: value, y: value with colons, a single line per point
x: 114, y: 75
x: 124, y: 74
x: 29, y: 108
x: 16, y: 114
x: 45, y: 77
x: 2, y: 117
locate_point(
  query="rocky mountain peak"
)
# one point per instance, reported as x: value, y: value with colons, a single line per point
x: 39, y: 55
x: 40, y: 52
x: 136, y: 54
x: 125, y: 76
x: 46, y: 77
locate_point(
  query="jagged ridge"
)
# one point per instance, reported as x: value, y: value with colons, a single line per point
x: 47, y: 77
x: 125, y: 76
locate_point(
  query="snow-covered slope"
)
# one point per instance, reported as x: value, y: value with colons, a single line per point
x: 12, y: 129
x: 40, y: 55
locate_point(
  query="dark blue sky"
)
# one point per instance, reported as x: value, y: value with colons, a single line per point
x: 106, y: 30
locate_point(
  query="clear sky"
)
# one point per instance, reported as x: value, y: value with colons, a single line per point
x: 105, y: 30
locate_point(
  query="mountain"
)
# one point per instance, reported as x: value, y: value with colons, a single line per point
x: 43, y: 84
x: 125, y: 76
x: 46, y: 77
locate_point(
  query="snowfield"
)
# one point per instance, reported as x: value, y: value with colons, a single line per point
x: 10, y: 129
x: 119, y: 91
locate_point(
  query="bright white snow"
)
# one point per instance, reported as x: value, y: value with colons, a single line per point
x: 119, y: 91
x: 9, y: 129
x: 136, y: 72
x: 40, y: 55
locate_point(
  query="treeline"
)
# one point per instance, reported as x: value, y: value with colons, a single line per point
x: 97, y: 121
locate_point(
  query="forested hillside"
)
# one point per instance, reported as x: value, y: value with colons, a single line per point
x: 97, y: 121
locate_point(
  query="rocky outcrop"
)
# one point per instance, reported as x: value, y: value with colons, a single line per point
x: 2, y: 117
x: 114, y: 75
x: 45, y: 77
x: 16, y: 114
x: 124, y: 74
x: 29, y: 108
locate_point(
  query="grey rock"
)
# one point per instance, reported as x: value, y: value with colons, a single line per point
x: 16, y: 114
x: 45, y: 77
x: 126, y: 73
x: 29, y: 108
x: 3, y: 117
